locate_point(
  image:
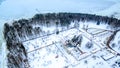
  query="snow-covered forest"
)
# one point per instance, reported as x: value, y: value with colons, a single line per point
x: 61, y: 36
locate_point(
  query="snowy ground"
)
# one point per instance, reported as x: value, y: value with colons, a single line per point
x: 16, y: 9
x: 50, y: 51
x: 115, y: 44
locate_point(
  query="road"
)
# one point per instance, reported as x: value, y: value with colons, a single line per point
x: 95, y: 41
x: 85, y: 34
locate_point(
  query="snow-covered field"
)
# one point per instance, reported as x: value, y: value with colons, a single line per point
x: 115, y: 44
x: 16, y: 9
x: 51, y: 51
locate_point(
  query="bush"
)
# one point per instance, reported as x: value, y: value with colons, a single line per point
x: 89, y: 45
x: 113, y: 45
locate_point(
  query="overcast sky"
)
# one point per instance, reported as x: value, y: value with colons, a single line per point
x: 20, y: 8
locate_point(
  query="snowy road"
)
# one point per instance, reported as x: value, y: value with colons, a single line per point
x: 96, y: 41
x: 17, y: 9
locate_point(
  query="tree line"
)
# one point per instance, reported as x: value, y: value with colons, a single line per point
x: 24, y: 27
